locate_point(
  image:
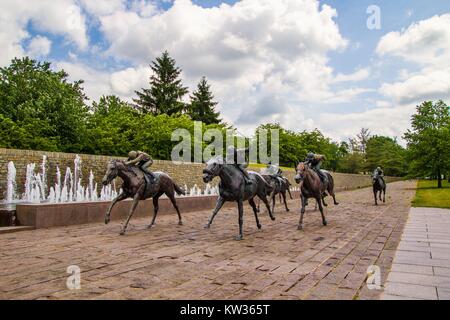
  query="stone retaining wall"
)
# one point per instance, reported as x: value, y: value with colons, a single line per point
x: 188, y: 174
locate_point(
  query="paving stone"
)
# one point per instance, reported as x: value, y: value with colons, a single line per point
x: 409, y: 268
x: 189, y: 262
x: 410, y: 290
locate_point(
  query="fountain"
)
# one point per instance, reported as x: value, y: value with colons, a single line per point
x: 71, y: 190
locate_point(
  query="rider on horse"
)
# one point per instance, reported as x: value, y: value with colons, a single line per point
x: 236, y: 155
x: 142, y: 160
x: 378, y: 172
x: 275, y: 171
x: 314, y: 161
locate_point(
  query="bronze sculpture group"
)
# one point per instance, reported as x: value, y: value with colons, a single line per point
x: 236, y: 185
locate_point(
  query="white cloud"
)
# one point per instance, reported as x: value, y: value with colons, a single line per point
x: 61, y: 17
x: 252, y: 52
x: 427, y: 44
x: 381, y: 121
x: 39, y: 46
x: 358, y: 75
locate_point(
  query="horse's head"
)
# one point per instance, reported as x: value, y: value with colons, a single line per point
x: 112, y: 171
x: 300, y: 172
x: 213, y: 168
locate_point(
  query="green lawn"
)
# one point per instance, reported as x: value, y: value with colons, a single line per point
x: 428, y: 194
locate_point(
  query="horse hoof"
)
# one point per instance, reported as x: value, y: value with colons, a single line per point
x: 336, y: 203
x: 149, y: 226
x: 180, y: 223
x: 259, y: 226
x: 239, y: 238
x: 122, y: 232
x: 273, y: 218
x: 207, y: 226
x: 287, y: 210
x: 324, y: 223
x: 107, y: 220
x: 299, y: 227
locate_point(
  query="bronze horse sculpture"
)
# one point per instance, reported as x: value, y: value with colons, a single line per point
x: 378, y: 186
x: 232, y: 187
x: 311, y: 186
x: 280, y: 186
x: 137, y: 186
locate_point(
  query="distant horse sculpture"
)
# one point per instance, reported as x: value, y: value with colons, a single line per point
x: 280, y: 186
x: 312, y: 187
x: 379, y: 186
x: 137, y: 186
x: 232, y: 187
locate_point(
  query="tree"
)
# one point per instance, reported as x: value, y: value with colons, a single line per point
x: 166, y: 89
x: 202, y: 104
x: 47, y: 108
x: 113, y: 127
x: 387, y: 153
x: 429, y: 140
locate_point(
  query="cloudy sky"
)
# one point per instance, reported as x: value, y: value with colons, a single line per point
x: 304, y: 63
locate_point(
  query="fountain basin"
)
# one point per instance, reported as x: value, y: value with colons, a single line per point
x: 45, y: 215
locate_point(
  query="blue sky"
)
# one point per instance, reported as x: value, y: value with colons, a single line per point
x: 304, y: 63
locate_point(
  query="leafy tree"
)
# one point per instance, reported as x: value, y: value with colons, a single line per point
x: 352, y: 162
x: 166, y: 89
x: 387, y: 153
x: 429, y: 140
x: 112, y: 127
x: 47, y: 109
x: 202, y: 104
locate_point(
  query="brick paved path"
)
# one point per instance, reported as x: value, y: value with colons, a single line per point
x: 421, y: 268
x: 188, y: 262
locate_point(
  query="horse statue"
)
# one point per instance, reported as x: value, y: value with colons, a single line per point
x: 232, y: 187
x: 280, y: 185
x: 137, y: 186
x: 378, y: 185
x: 312, y: 187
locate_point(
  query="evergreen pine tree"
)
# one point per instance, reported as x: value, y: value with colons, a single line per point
x: 166, y: 89
x: 202, y: 104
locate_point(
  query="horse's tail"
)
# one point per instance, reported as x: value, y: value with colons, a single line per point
x: 178, y: 190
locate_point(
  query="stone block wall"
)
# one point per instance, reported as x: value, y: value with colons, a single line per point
x: 189, y: 174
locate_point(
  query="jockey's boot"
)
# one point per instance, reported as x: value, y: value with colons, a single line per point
x: 149, y: 173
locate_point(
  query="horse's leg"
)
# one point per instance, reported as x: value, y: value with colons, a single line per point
x: 332, y: 194
x: 375, y: 196
x: 266, y: 202
x: 323, y: 199
x: 324, y: 221
x: 273, y: 202
x: 240, y: 219
x: 155, y: 208
x: 302, y: 211
x: 219, y: 204
x: 133, y: 207
x: 120, y: 197
x: 171, y: 196
x: 384, y: 194
x: 289, y: 191
x: 255, y: 211
x: 283, y: 194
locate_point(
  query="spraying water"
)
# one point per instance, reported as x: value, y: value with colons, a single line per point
x: 70, y: 189
x: 11, y: 183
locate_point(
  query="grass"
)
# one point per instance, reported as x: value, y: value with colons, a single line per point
x: 428, y: 194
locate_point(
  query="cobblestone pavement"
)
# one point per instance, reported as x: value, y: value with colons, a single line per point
x: 189, y: 262
x: 421, y: 268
